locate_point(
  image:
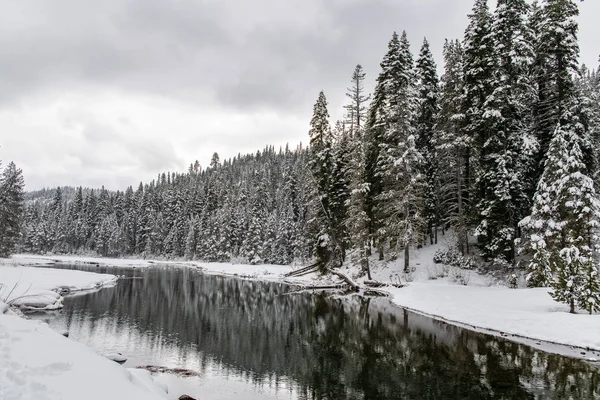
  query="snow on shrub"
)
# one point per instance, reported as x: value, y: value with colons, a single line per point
x: 460, y: 276
x: 453, y: 258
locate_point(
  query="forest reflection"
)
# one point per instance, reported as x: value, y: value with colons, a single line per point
x: 326, y: 347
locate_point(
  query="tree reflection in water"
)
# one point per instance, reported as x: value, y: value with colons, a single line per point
x: 329, y: 347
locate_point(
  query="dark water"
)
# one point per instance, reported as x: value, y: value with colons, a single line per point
x: 255, y: 340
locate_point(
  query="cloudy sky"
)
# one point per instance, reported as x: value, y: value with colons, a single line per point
x: 115, y: 91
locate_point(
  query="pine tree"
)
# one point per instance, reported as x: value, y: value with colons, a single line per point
x: 452, y: 145
x: 356, y: 109
x: 357, y: 220
x: 541, y: 229
x: 374, y: 133
x: 479, y: 65
x: 321, y: 166
x: 393, y: 164
x: 503, y: 176
x: 576, y: 280
x: 409, y: 204
x: 340, y: 185
x: 561, y: 230
x: 11, y: 209
x: 557, y: 52
x: 190, y: 241
x: 427, y: 114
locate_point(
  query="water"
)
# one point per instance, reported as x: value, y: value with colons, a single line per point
x: 257, y: 340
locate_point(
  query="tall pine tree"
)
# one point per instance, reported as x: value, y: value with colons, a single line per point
x: 427, y: 114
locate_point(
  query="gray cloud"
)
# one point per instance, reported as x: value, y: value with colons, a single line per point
x: 194, y: 75
x: 259, y: 54
x: 265, y: 53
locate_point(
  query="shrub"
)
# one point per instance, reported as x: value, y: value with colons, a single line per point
x: 453, y: 258
x: 460, y: 276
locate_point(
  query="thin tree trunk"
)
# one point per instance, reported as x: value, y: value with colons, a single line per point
x: 364, y: 260
x: 572, y: 304
x: 406, y: 258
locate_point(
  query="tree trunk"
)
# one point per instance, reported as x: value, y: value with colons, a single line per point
x: 406, y: 258
x: 572, y: 305
x: 364, y: 260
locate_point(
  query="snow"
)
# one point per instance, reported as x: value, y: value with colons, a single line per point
x: 529, y: 313
x: 37, y: 363
x: 483, y: 303
x: 36, y: 288
x: 116, y: 357
x: 32, y: 259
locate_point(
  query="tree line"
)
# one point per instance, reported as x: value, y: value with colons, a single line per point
x: 503, y: 147
x: 12, y: 188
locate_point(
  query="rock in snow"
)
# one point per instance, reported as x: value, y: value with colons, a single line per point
x: 116, y: 357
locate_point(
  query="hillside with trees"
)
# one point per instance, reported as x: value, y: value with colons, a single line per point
x: 500, y: 151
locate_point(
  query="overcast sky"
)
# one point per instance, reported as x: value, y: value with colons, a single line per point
x: 115, y: 91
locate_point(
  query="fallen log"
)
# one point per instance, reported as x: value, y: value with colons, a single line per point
x: 375, y: 292
x: 303, y: 271
x: 312, y: 288
x: 375, y: 284
x: 345, y: 278
x: 378, y: 284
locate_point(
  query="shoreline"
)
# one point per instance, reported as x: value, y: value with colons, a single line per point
x: 274, y: 273
x: 39, y: 362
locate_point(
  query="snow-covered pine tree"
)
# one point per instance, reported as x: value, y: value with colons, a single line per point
x: 253, y: 245
x: 427, y: 114
x: 409, y: 204
x: 356, y: 109
x: 557, y: 52
x: 541, y: 229
x: 452, y: 144
x: 561, y: 231
x: 224, y: 244
x: 587, y: 90
x: 340, y: 185
x: 76, y: 217
x: 357, y: 221
x: 12, y: 188
x: 576, y: 280
x: 505, y: 167
x: 190, y: 240
x: 396, y: 164
x: 374, y: 132
x: 479, y: 66
x: 321, y: 166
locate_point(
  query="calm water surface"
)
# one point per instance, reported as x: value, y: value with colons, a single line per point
x: 257, y: 340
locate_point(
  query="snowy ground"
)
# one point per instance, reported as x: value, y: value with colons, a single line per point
x: 36, y: 363
x: 39, y: 363
x: 483, y: 303
x: 36, y: 288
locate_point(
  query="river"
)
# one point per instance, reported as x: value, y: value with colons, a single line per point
x: 247, y: 339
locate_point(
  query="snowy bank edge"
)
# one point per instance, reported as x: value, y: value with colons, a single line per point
x: 272, y: 273
x: 546, y: 346
x: 37, y: 335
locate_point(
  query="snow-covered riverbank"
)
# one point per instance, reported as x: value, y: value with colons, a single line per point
x: 40, y: 288
x: 39, y: 363
x: 483, y: 304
